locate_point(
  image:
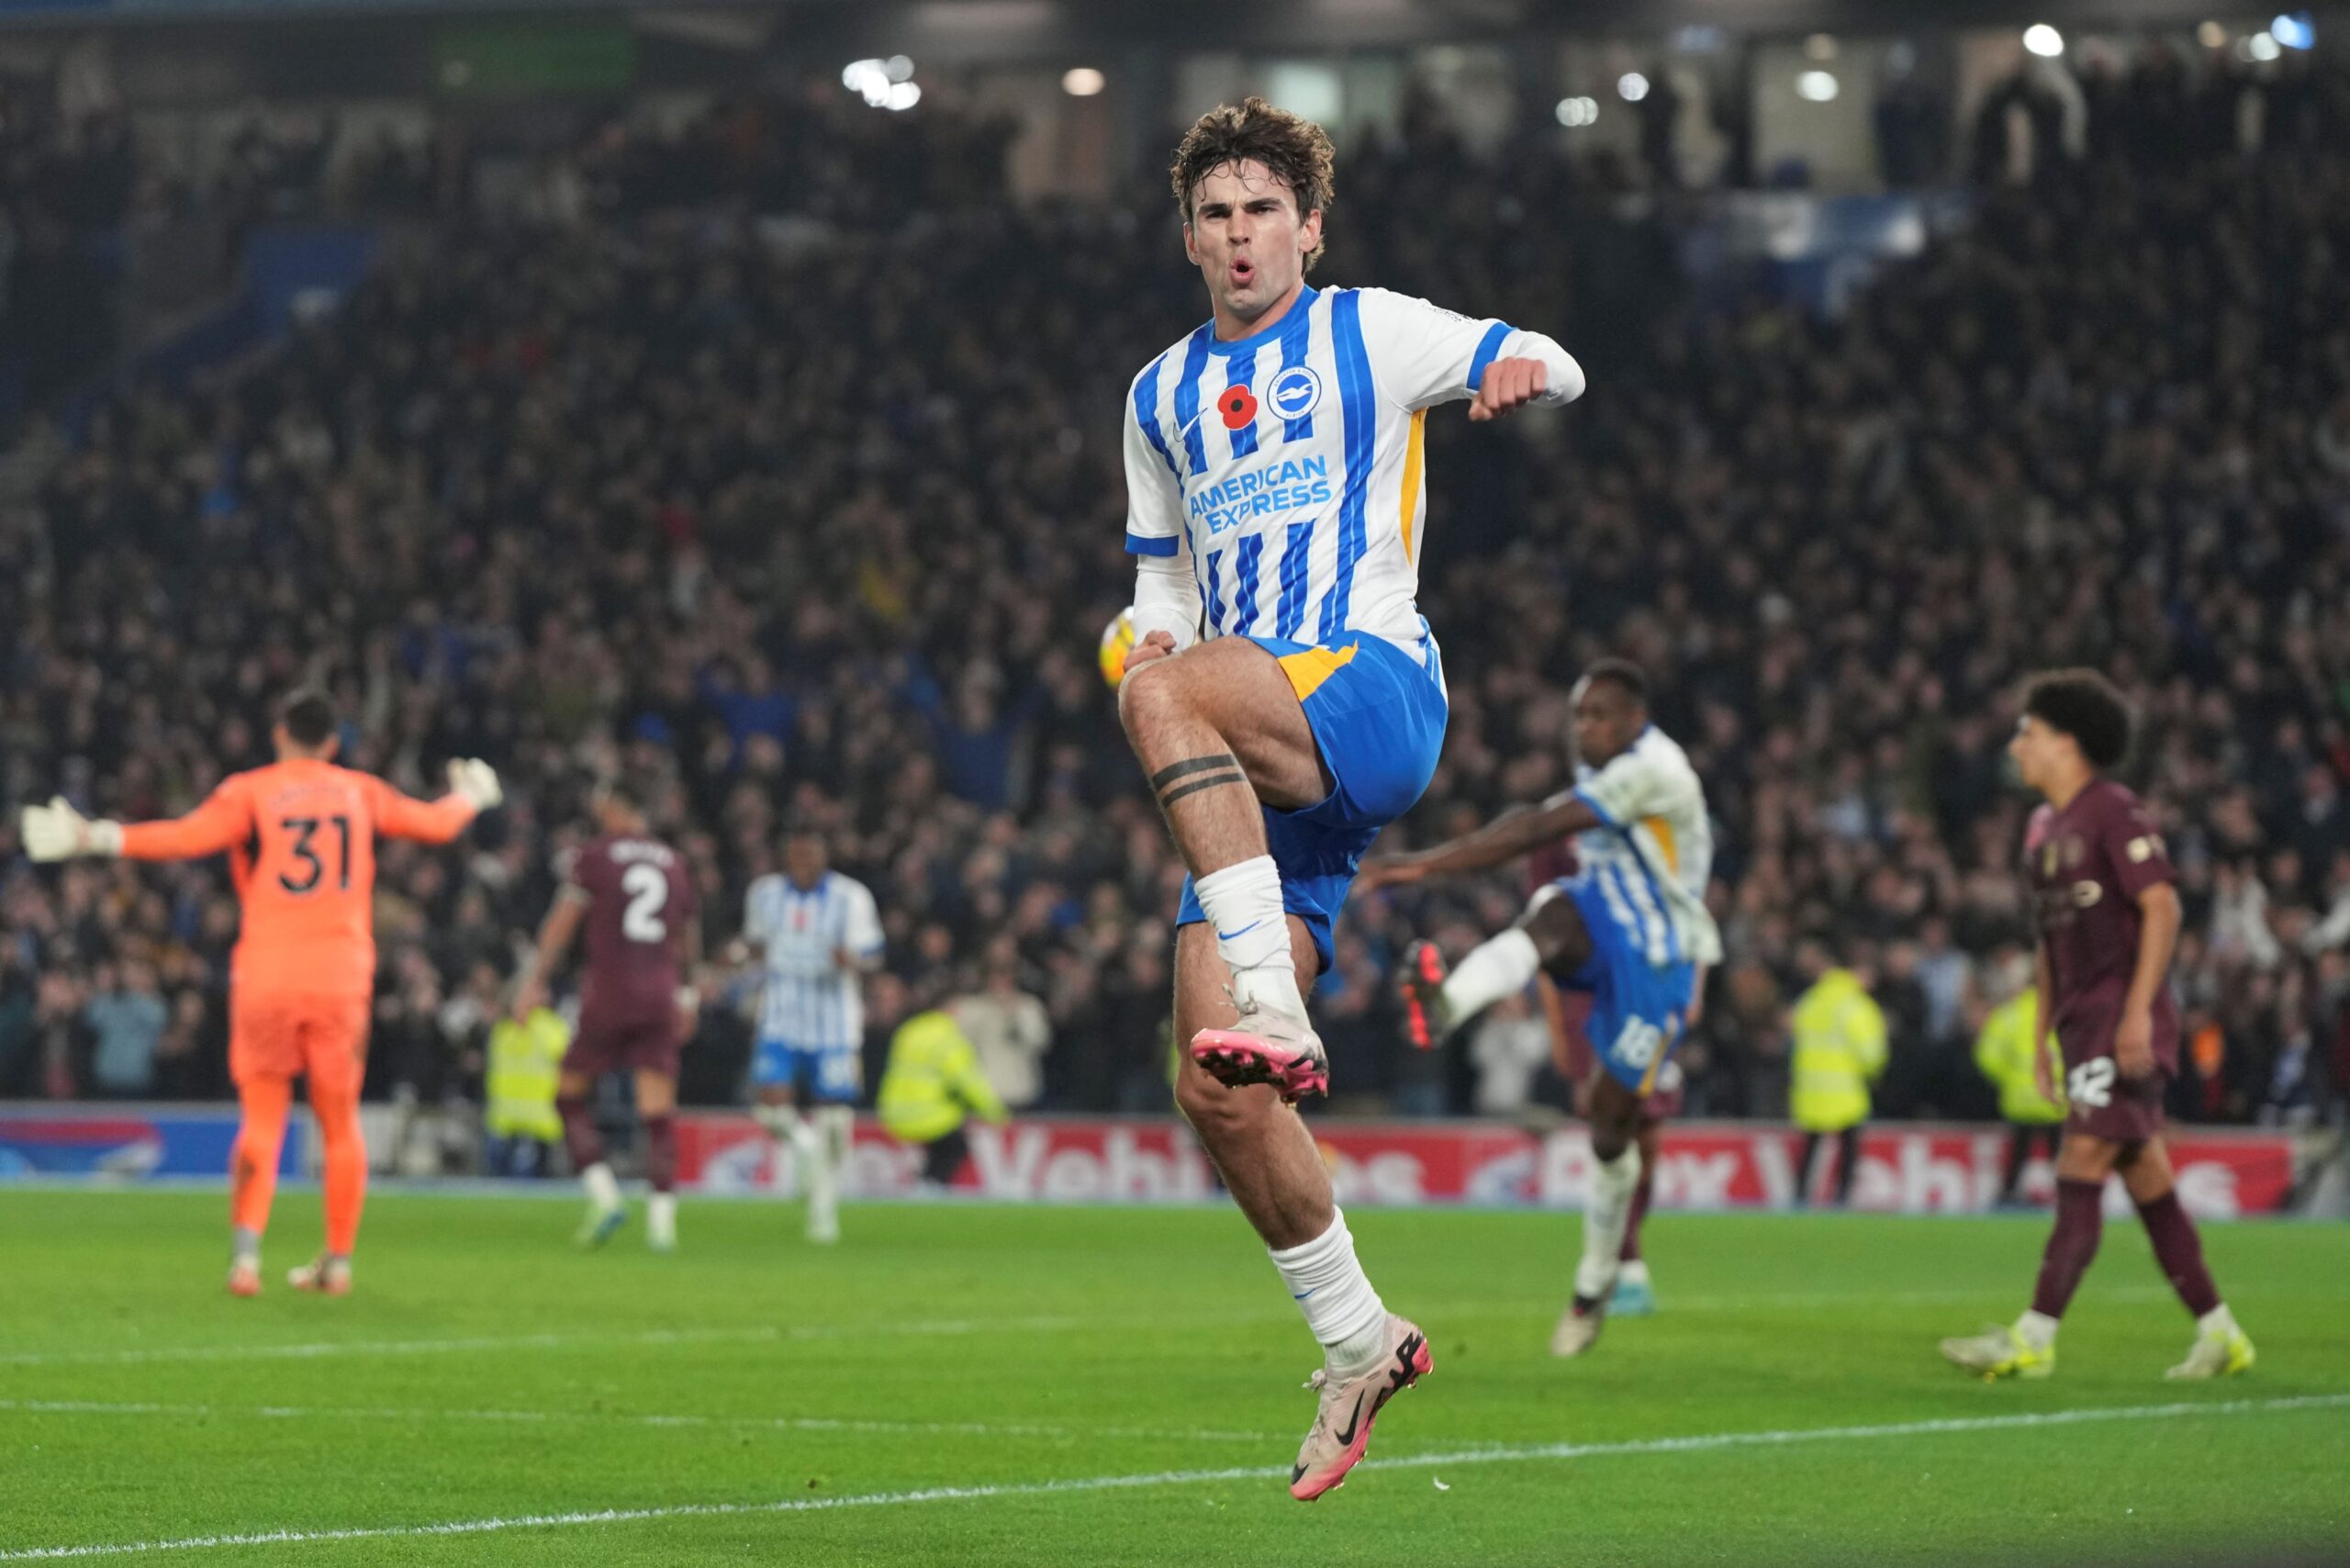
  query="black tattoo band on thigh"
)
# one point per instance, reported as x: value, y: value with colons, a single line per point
x: 1184, y: 770
x: 1211, y: 782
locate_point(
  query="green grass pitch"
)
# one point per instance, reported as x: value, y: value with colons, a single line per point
x: 977, y: 1386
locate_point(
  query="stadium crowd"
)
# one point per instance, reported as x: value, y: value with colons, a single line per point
x: 818, y: 522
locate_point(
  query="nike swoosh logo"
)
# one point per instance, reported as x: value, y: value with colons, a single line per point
x: 1297, y: 1296
x: 1231, y: 935
x: 1346, y: 1437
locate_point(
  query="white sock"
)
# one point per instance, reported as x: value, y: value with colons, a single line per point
x: 778, y: 1120
x: 1633, y: 1271
x: 661, y: 1219
x: 244, y: 1245
x: 2219, y: 1321
x: 603, y: 1187
x: 2036, y: 1329
x: 820, y: 1168
x: 1604, y: 1219
x: 1502, y: 967
x: 1243, y: 904
x: 1331, y: 1289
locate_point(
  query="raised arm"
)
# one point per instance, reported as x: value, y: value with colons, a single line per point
x: 1425, y: 356
x: 57, y: 832
x: 224, y: 820
x: 472, y: 789
x: 1518, y: 831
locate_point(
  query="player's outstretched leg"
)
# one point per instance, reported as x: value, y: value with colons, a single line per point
x: 2026, y: 1347
x: 262, y: 1102
x: 1634, y: 1295
x: 1436, y: 1002
x: 606, y: 1213
x: 1274, y: 1171
x: 1221, y: 734
x: 2220, y: 1349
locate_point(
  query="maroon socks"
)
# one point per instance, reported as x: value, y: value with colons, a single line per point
x: 2071, y: 1246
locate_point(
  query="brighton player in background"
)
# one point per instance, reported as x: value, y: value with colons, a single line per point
x: 1630, y: 927
x: 1568, y: 1012
x: 637, y: 1007
x: 1284, y: 696
x: 817, y: 932
x: 2107, y: 912
x: 1568, y: 1015
x: 300, y: 835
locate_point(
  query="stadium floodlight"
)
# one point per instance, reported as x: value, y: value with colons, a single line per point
x: 1082, y: 82
x: 2043, y: 40
x: 2294, y: 31
x: 1577, y: 112
x: 2263, y: 47
x: 1632, y: 86
x: 883, y: 83
x: 2211, y: 35
x: 1817, y: 86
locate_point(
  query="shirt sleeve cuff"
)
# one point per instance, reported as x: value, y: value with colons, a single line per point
x: 1146, y: 544
x: 1588, y: 799
x: 1489, y: 348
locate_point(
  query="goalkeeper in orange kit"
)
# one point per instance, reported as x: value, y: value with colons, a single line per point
x: 300, y: 836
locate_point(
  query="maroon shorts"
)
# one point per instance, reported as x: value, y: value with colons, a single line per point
x: 2098, y: 1101
x: 623, y: 1045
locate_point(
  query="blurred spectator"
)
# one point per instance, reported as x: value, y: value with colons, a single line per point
x: 819, y: 518
x: 1510, y: 1044
x: 1008, y: 1029
x: 126, y: 1019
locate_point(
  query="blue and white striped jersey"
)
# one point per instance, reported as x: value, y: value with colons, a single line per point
x: 810, y: 1001
x: 1654, y: 855
x: 1285, y: 468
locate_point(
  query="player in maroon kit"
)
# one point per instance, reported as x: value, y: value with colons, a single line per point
x: 2107, y: 914
x: 636, y: 1010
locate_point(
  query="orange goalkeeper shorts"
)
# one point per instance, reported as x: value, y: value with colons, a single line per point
x: 276, y: 1035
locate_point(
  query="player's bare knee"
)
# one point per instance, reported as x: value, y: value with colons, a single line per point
x: 2083, y: 1158
x: 1223, y: 1116
x: 1149, y: 699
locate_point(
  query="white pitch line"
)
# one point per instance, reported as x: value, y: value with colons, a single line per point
x: 760, y: 1335
x: 622, y: 1418
x: 1699, y: 1443
x: 771, y: 1334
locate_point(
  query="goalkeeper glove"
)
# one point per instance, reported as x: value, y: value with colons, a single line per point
x: 476, y: 781
x: 57, y: 832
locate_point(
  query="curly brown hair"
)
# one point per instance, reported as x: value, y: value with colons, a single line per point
x: 1293, y: 150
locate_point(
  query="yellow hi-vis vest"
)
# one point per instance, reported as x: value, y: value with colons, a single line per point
x: 933, y: 1079
x: 1838, y: 1052
x: 2003, y: 1055
x: 523, y: 1061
